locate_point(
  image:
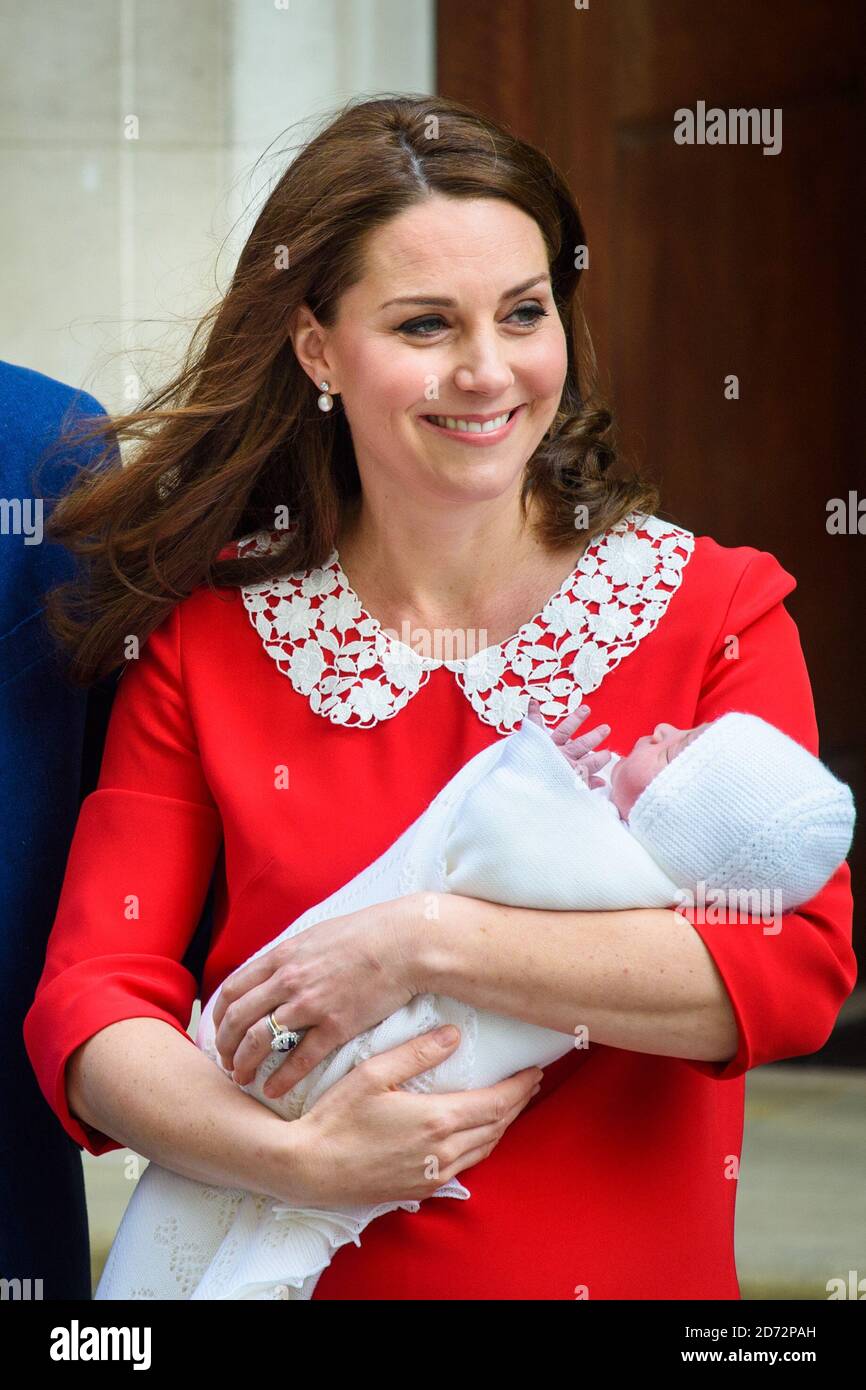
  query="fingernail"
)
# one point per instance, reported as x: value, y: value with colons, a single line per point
x: 446, y: 1034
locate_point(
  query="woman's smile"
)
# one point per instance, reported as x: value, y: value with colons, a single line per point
x: 478, y: 430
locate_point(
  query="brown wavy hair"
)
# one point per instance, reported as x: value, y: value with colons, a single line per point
x: 237, y: 435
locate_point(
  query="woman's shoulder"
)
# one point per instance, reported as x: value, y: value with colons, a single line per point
x: 205, y: 620
x: 720, y: 574
x: 216, y: 607
x: 207, y: 599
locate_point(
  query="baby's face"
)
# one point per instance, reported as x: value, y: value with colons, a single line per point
x: 650, y: 754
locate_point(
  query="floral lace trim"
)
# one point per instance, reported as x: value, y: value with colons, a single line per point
x: 354, y: 673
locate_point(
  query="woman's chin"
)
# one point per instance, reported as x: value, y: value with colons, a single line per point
x: 475, y: 481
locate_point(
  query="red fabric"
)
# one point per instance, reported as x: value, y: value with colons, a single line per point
x: 616, y: 1179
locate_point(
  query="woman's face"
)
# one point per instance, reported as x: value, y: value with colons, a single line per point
x: 476, y: 335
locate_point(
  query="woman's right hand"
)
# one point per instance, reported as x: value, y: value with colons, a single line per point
x: 368, y: 1140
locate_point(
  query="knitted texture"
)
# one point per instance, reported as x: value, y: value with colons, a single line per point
x: 746, y: 807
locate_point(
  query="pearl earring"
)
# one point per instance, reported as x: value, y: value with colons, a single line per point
x: 326, y: 402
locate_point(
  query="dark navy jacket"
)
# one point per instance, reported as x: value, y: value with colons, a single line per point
x: 51, y: 738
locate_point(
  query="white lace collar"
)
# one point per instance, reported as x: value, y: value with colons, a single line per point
x: 354, y: 673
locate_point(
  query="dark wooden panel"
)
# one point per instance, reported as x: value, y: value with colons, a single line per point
x: 746, y: 279
x: 710, y: 260
x: 731, y: 52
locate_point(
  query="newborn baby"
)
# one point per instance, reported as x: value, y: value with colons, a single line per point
x: 530, y: 821
x: 733, y: 806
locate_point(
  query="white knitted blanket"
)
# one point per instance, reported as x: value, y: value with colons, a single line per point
x: 515, y: 825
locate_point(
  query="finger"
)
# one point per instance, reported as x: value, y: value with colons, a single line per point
x: 237, y: 984
x: 567, y: 726
x: 461, y: 1141
x: 486, y: 1105
x: 599, y: 758
x: 397, y: 1064
x: 534, y: 713
x: 592, y: 737
x: 585, y: 743
x: 593, y: 761
x: 314, y: 1047
x: 467, y: 1160
x: 473, y: 1141
x: 255, y: 1047
x: 273, y: 996
x: 251, y: 1051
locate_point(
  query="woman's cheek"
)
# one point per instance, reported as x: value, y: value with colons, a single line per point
x: 549, y: 371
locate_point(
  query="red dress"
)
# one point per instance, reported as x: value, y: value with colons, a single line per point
x: 619, y: 1179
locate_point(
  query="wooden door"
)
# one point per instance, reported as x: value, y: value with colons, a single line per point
x: 713, y: 261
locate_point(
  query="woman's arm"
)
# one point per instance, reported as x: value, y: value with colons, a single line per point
x: 367, y: 1140
x: 136, y: 878
x: 184, y: 1113
x: 725, y: 994
x: 641, y: 980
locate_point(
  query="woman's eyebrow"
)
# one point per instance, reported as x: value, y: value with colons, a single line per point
x: 450, y: 303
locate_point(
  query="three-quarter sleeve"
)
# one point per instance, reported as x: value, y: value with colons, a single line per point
x: 136, y: 879
x: 788, y: 979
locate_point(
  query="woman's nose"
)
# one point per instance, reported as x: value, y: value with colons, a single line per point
x: 485, y: 368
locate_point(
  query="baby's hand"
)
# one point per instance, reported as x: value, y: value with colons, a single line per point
x: 576, y: 751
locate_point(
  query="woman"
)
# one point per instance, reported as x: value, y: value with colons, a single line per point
x: 299, y: 575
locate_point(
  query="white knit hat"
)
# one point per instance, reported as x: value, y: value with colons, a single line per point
x: 744, y: 806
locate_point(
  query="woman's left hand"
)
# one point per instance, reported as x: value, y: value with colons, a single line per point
x: 336, y: 979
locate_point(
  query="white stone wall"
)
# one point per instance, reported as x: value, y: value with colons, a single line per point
x: 130, y: 132
x: 111, y: 246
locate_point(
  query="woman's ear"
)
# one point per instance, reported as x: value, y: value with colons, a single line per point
x: 308, y: 339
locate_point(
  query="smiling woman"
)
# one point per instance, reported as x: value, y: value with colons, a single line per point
x: 493, y: 360
x: 272, y: 731
x: 477, y: 232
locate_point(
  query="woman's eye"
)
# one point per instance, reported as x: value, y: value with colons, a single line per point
x: 534, y: 309
x: 415, y: 327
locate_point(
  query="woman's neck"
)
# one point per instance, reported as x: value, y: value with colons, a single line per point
x: 428, y: 569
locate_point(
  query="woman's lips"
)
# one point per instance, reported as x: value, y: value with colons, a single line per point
x: 477, y: 438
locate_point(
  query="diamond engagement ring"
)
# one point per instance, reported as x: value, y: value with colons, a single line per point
x: 284, y: 1039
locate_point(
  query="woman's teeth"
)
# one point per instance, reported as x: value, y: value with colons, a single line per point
x: 448, y: 422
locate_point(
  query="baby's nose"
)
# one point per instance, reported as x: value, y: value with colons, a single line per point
x: 663, y: 731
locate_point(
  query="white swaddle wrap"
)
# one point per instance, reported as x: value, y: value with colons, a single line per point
x: 515, y: 825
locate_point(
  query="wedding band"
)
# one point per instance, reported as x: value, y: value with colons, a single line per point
x: 284, y: 1039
